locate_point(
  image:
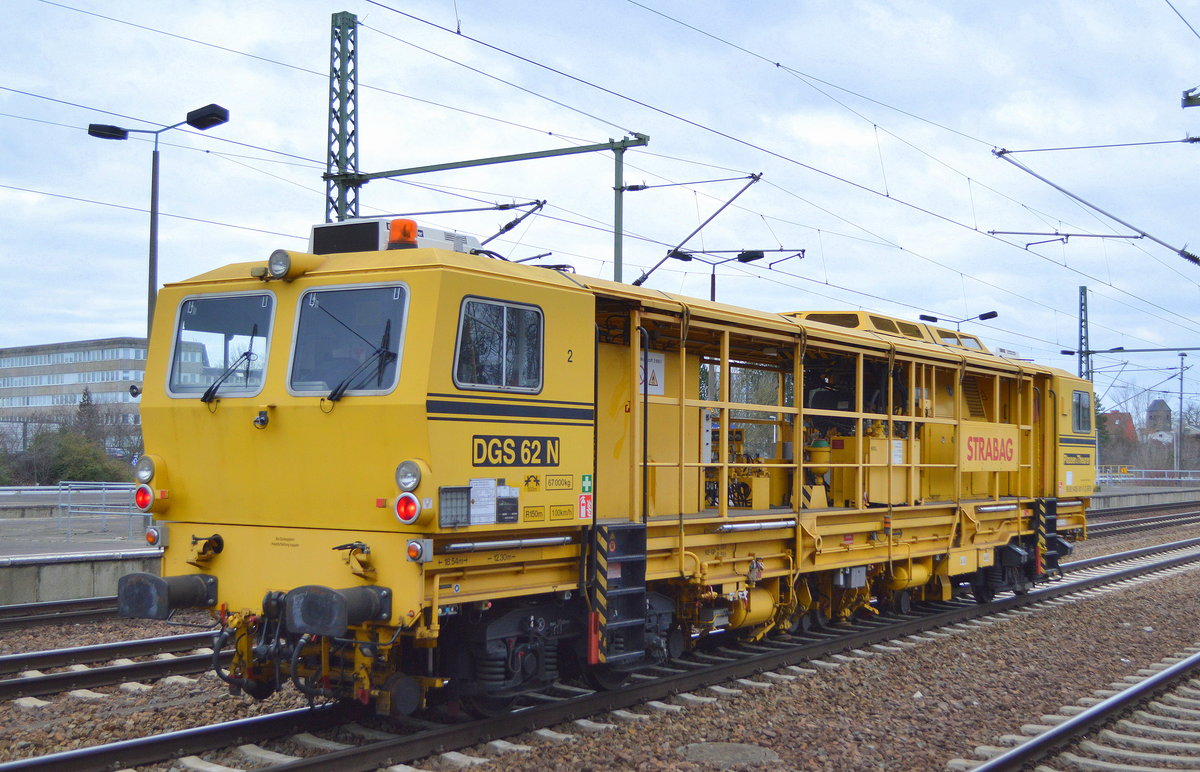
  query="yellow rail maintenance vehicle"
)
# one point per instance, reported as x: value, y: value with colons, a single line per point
x: 399, y: 469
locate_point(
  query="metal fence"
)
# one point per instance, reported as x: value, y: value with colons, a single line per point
x: 1124, y: 475
x: 76, y: 510
x: 88, y: 505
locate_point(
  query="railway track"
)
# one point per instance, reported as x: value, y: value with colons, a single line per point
x: 749, y: 666
x: 1110, y: 513
x: 86, y: 655
x: 57, y: 612
x: 33, y: 683
x: 1121, y: 527
x: 1148, y: 721
x: 148, y: 750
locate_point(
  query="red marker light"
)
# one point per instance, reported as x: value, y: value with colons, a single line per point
x: 408, y: 509
x: 143, y: 498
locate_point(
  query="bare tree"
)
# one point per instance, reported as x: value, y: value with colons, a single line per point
x: 17, y: 433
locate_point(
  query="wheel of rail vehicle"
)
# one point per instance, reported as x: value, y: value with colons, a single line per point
x: 606, y: 677
x: 258, y: 690
x: 863, y: 614
x: 404, y: 694
x: 983, y: 592
x: 676, y: 642
x: 798, y: 623
x: 488, y: 706
x: 901, y: 602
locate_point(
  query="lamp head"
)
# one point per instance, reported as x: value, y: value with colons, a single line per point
x: 206, y: 117
x: 988, y: 315
x: 927, y: 318
x: 749, y: 256
x: 679, y: 254
x: 106, y: 131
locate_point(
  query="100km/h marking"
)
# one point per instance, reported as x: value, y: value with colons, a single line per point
x: 492, y: 450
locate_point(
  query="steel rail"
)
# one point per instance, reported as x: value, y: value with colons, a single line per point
x: 56, y: 612
x: 1047, y: 742
x: 85, y: 655
x: 1134, y: 554
x: 1110, y: 512
x: 53, y: 683
x: 1119, y: 527
x: 147, y: 750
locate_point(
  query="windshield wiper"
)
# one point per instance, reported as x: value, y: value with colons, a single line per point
x: 246, y: 356
x: 211, y: 392
x: 381, y: 355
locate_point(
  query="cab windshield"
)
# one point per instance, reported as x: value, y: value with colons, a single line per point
x: 348, y: 341
x: 221, y: 338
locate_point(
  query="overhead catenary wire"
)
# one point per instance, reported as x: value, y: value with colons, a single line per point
x: 294, y: 67
x: 1007, y: 156
x: 810, y: 80
x: 819, y: 231
x: 280, y: 63
x: 1181, y: 18
x: 181, y: 130
x: 675, y: 116
x: 142, y: 209
x: 484, y: 74
x: 806, y: 76
x: 717, y: 132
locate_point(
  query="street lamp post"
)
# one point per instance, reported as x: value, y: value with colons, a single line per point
x: 1179, y: 435
x: 201, y: 118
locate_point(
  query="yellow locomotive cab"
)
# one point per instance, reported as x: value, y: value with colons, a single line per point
x: 398, y: 470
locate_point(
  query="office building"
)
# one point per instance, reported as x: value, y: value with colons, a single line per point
x: 41, y: 386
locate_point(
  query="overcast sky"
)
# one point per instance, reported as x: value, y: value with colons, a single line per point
x: 872, y: 123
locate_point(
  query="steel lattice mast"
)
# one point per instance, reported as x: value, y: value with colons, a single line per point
x: 1085, y: 353
x: 341, y: 192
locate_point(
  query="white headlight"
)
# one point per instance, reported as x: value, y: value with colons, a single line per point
x: 408, y: 475
x: 279, y: 264
x: 144, y: 471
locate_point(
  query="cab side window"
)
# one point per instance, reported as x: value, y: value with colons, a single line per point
x: 1081, y: 412
x: 499, y: 346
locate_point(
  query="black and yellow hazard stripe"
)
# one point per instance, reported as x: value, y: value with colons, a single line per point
x: 1038, y: 525
x: 618, y: 590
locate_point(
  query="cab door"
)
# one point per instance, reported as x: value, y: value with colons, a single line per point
x: 1075, y: 441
